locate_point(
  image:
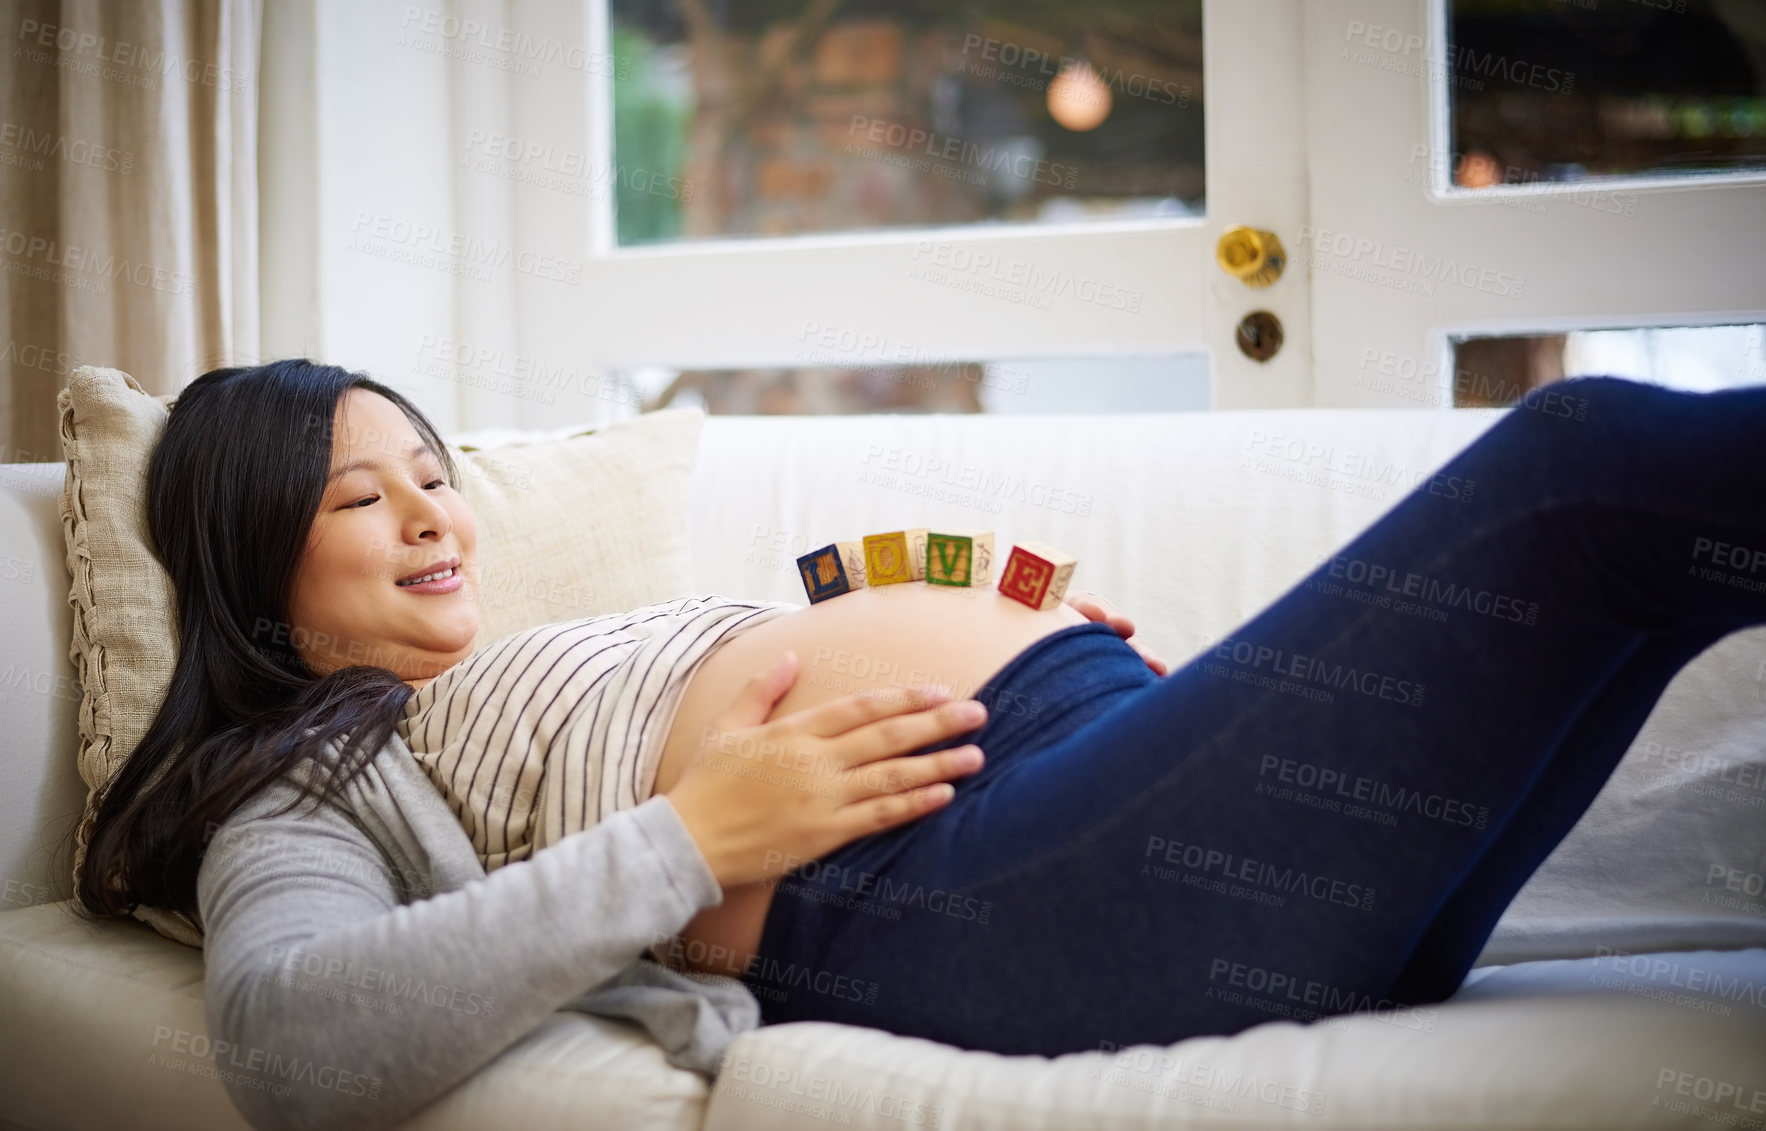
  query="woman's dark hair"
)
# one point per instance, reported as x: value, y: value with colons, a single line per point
x: 232, y: 490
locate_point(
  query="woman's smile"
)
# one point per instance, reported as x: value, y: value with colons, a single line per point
x: 442, y: 577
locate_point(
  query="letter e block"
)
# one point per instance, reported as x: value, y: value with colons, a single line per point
x: 888, y: 560
x: 1037, y: 574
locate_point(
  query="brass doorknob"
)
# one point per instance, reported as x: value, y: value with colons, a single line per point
x: 1251, y: 255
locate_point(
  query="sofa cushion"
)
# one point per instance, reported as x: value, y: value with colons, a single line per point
x: 1585, y: 1043
x: 103, y: 1027
x: 590, y: 523
x: 582, y: 524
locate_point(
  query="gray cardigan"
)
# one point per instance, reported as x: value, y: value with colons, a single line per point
x: 360, y: 963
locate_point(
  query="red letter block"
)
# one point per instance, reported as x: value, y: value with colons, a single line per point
x: 1037, y: 574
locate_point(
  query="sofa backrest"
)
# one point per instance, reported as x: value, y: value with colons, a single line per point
x: 41, y: 795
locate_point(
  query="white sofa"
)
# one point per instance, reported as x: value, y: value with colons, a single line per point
x: 1625, y: 987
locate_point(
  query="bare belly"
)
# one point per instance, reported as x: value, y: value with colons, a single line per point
x: 896, y: 635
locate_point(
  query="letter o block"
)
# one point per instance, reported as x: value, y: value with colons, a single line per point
x: 888, y: 560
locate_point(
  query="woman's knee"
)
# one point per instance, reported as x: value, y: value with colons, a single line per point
x: 1598, y: 414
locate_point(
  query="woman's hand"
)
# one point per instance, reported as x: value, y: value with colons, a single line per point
x: 1096, y: 608
x: 758, y: 793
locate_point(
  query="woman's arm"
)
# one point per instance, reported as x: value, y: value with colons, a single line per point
x: 332, y: 1004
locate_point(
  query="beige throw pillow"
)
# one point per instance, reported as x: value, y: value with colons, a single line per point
x: 567, y: 528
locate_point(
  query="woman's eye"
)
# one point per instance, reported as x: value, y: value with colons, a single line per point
x: 362, y: 502
x: 435, y: 483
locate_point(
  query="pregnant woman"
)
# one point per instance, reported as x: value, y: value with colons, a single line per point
x: 1330, y: 807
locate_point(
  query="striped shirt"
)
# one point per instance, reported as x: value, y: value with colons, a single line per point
x: 546, y: 731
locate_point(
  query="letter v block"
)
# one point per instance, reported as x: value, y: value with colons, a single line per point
x: 1037, y: 574
x: 959, y: 559
x: 825, y: 574
x: 888, y: 559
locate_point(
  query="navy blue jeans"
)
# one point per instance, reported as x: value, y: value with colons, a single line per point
x: 1328, y: 810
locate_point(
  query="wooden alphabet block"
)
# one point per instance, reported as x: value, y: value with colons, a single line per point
x: 888, y: 559
x: 961, y: 559
x: 852, y: 556
x: 825, y: 575
x: 917, y: 552
x: 1037, y: 574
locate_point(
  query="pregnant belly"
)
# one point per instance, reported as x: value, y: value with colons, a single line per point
x: 895, y: 635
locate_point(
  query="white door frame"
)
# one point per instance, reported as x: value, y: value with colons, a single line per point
x: 1121, y: 287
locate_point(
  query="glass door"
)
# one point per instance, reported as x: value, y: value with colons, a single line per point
x: 823, y: 205
x: 1506, y: 191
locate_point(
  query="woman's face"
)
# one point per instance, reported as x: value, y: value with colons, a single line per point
x: 388, y: 516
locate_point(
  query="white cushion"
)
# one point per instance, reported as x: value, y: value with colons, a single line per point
x: 103, y: 1027
x: 41, y: 794
x: 1545, y: 1044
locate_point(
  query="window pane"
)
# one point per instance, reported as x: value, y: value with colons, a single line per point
x: 1499, y: 370
x: 1561, y: 90
x: 1177, y: 383
x: 778, y: 117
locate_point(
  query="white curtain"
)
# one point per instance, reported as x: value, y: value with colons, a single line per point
x: 427, y: 185
x: 128, y: 198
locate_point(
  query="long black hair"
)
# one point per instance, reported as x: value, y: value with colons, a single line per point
x: 233, y: 487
